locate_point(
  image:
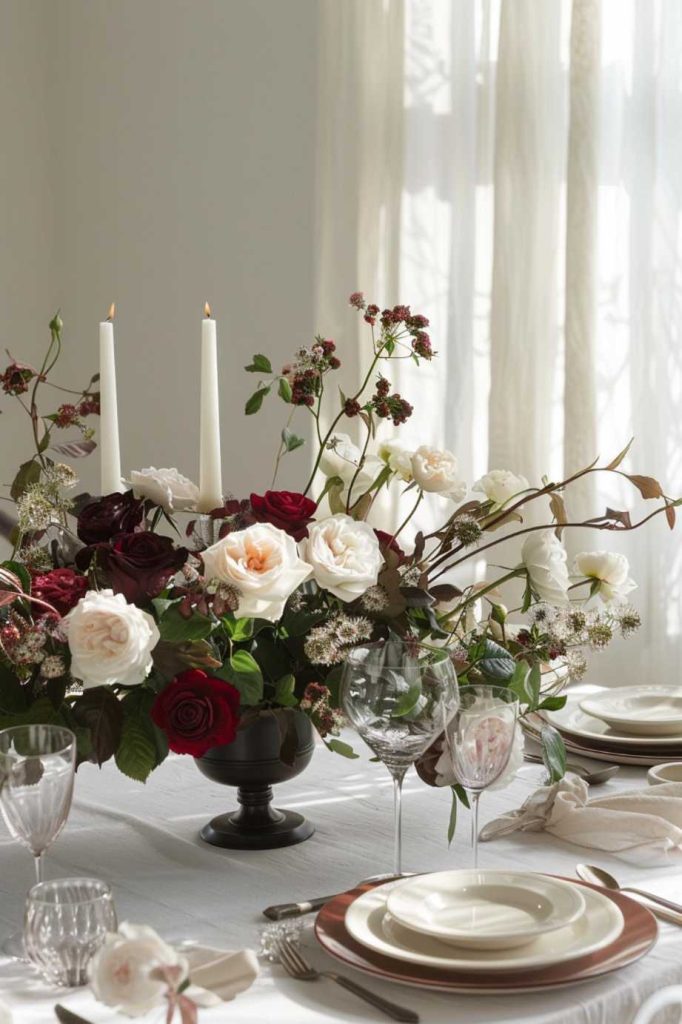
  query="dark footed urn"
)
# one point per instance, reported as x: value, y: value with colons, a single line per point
x: 253, y: 764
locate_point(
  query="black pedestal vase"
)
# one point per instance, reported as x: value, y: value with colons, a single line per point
x: 253, y: 764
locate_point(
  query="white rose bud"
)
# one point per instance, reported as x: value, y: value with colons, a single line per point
x: 344, y: 555
x: 499, y: 485
x: 110, y: 640
x: 610, y: 569
x: 120, y: 973
x: 167, y: 488
x: 397, y: 458
x: 437, y: 471
x: 545, y: 559
x: 263, y: 563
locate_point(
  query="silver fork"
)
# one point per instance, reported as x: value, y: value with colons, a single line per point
x: 295, y: 964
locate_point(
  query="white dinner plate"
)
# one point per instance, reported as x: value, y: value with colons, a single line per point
x: 369, y: 924
x: 573, y: 720
x: 484, y: 909
x: 640, y: 710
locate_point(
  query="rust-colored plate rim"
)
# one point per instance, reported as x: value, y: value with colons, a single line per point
x: 639, y: 934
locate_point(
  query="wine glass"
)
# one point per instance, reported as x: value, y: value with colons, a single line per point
x: 399, y: 695
x: 65, y: 924
x: 481, y: 738
x: 37, y: 765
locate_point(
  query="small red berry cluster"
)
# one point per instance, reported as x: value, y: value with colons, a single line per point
x: 305, y: 376
x: 391, y: 319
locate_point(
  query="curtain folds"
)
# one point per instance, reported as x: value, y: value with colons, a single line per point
x: 513, y: 169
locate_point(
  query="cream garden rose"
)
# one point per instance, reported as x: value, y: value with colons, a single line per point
x: 120, y: 973
x: 436, y: 470
x: 610, y: 569
x: 263, y: 563
x: 167, y: 488
x: 110, y: 640
x: 499, y: 485
x: 344, y: 555
x: 545, y: 559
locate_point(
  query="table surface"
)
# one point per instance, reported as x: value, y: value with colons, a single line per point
x: 144, y: 841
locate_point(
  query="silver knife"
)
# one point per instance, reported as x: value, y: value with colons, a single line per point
x: 68, y: 1016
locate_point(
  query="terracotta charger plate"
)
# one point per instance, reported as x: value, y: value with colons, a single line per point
x: 639, y: 934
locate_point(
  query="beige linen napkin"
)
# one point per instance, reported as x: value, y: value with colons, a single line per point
x: 218, y: 975
x: 642, y: 826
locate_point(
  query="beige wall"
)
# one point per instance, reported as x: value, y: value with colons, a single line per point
x: 159, y: 153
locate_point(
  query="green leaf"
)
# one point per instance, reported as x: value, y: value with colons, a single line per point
x: 284, y: 691
x: 339, y: 747
x: 244, y: 673
x: 299, y: 623
x: 13, y: 696
x: 27, y: 474
x: 552, y: 704
x: 254, y: 403
x: 284, y: 389
x: 553, y: 753
x: 621, y: 455
x: 527, y: 596
x: 19, y: 570
x: 239, y: 630
x: 161, y: 605
x: 407, y: 702
x: 291, y: 441
x: 525, y: 683
x: 496, y: 663
x: 137, y: 754
x: 175, y: 628
x: 260, y: 364
x: 41, y: 712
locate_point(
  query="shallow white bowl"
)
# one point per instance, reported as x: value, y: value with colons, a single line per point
x: 638, y: 710
x: 671, y: 771
x: 485, y: 909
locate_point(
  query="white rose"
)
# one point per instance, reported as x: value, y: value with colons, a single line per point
x: 263, y: 563
x: 611, y: 569
x: 397, y: 458
x: 110, y: 640
x: 120, y: 972
x: 344, y: 555
x: 499, y: 485
x: 545, y: 559
x: 436, y: 470
x: 5, y: 1014
x: 167, y: 488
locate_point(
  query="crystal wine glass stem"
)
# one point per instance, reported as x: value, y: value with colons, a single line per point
x: 473, y: 801
x: 398, y: 776
x: 38, y: 862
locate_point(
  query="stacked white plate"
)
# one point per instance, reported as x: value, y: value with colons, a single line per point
x: 484, y: 920
x: 630, y: 724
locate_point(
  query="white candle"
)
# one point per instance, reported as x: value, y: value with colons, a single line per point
x: 210, y: 475
x: 110, y: 452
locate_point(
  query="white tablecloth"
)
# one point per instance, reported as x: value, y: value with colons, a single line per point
x: 143, y: 840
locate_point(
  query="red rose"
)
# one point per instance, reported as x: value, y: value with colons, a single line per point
x: 103, y: 518
x: 62, y: 588
x: 197, y: 712
x: 287, y: 510
x: 140, y: 564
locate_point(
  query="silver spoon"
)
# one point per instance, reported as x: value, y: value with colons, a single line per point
x: 597, y: 876
x: 593, y: 777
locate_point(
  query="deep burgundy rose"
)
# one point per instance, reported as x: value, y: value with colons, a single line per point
x: 62, y: 588
x: 287, y: 510
x: 140, y: 564
x: 388, y: 542
x: 197, y: 712
x: 103, y: 518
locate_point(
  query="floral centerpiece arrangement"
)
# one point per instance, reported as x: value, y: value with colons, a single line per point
x: 144, y: 628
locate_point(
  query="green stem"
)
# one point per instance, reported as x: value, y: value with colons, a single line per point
x: 408, y: 517
x: 359, y: 466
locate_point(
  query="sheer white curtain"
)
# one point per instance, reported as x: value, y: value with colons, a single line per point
x: 536, y: 149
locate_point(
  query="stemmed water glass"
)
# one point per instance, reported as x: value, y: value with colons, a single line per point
x: 481, y: 739
x: 37, y: 765
x: 399, y: 696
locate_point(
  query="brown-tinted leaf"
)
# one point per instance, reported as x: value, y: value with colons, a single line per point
x: 74, y: 449
x: 419, y: 544
x: 621, y: 455
x: 647, y: 486
x: 670, y: 516
x: 27, y: 474
x: 467, y: 508
x: 619, y: 517
x: 558, y: 509
x: 101, y: 712
x: 415, y: 597
x: 361, y: 507
x: 509, y: 517
x: 445, y: 592
x: 170, y: 658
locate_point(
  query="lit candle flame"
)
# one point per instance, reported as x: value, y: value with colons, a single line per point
x: 207, y: 310
x: 112, y: 311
